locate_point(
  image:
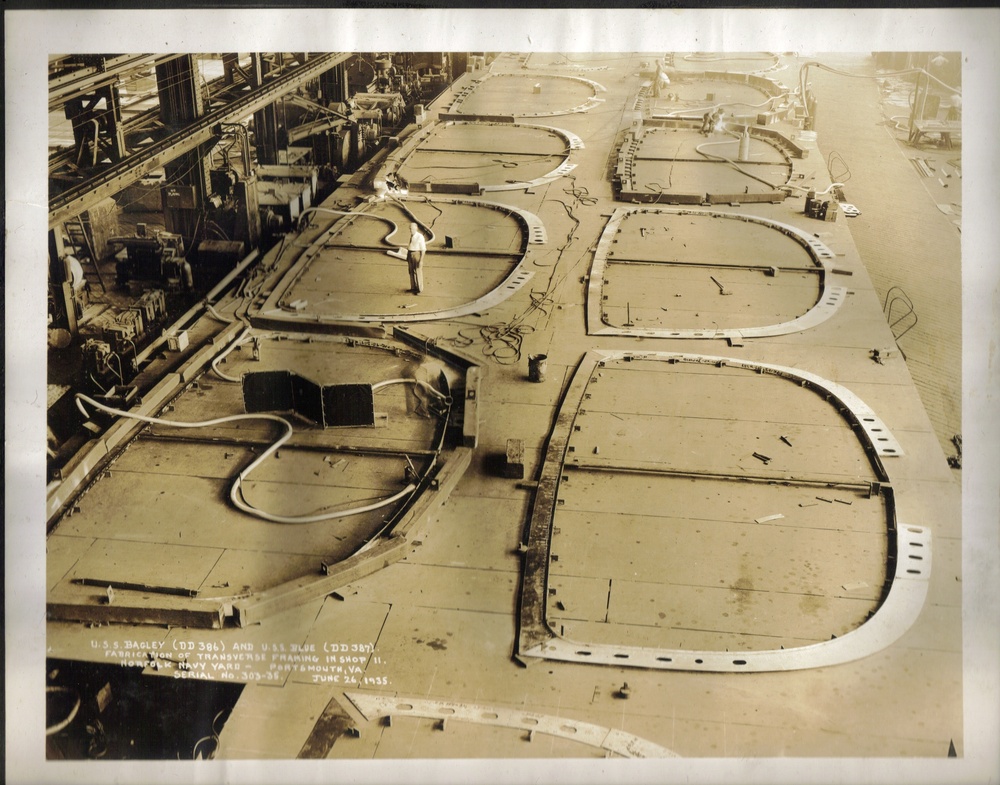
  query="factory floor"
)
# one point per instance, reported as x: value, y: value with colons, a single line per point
x: 909, y: 230
x: 419, y: 656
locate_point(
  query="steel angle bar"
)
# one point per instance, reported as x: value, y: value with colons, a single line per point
x: 613, y: 740
x: 797, y: 482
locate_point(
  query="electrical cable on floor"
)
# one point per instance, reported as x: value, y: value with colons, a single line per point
x: 426, y: 201
x: 580, y: 193
x: 741, y: 170
x: 239, y: 341
x: 661, y: 192
x: 213, y: 736
x: 346, y: 213
x: 503, y: 340
x: 210, y: 310
x: 735, y: 165
x: 842, y: 177
x: 51, y: 730
x: 417, y: 382
x: 236, y: 491
x: 694, y: 105
x: 409, y: 213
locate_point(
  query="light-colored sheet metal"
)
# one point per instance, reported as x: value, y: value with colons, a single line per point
x: 615, y: 741
x: 398, y: 158
x: 895, y: 616
x: 903, y: 602
x: 474, y: 89
x: 531, y: 226
x: 827, y: 304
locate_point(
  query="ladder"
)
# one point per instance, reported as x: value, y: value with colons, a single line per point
x: 78, y: 232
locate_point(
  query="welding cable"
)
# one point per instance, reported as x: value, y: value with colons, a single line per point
x: 241, y: 339
x: 740, y: 169
x: 569, y: 213
x: 825, y: 191
x: 580, y: 193
x: 733, y: 163
x: 409, y: 213
x: 236, y: 492
x: 97, y: 384
x: 564, y: 153
x: 213, y: 736
x: 445, y: 416
x: 352, y: 214
x: 355, y: 214
x: 121, y: 375
x: 700, y: 107
x: 804, y: 70
x: 661, y: 192
x: 429, y: 228
x: 51, y: 730
x: 210, y: 310
x: 214, y: 227
x: 424, y: 385
x: 211, y: 754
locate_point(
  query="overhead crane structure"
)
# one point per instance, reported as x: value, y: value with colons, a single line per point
x: 80, y: 80
x: 199, y: 131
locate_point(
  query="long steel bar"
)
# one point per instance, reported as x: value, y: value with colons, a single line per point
x: 764, y: 268
x: 79, y: 198
x: 798, y: 482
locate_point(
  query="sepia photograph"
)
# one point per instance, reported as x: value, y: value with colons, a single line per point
x: 447, y: 400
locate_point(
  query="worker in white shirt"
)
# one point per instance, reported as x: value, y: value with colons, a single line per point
x: 660, y: 81
x: 415, y: 259
x: 74, y: 274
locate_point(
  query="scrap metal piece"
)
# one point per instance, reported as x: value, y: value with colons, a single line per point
x: 722, y: 289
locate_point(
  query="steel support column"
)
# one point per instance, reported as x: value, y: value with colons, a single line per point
x: 265, y: 120
x: 333, y: 85
x: 75, y: 200
x: 97, y: 126
x: 188, y: 185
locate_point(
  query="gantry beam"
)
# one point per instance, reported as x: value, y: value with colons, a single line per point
x: 81, y: 197
x: 85, y: 80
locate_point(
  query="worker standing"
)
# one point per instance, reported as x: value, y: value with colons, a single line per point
x: 187, y: 275
x: 660, y: 81
x: 74, y: 274
x: 415, y: 259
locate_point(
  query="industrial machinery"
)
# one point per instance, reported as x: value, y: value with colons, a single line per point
x: 111, y: 357
x: 158, y: 259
